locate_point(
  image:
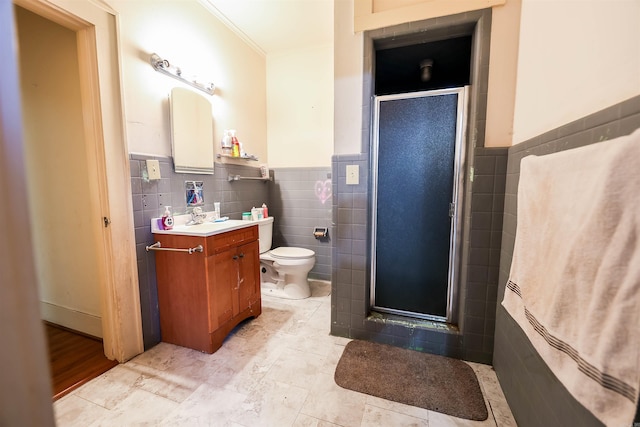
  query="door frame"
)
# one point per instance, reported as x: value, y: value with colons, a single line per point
x: 455, y: 239
x: 100, y: 76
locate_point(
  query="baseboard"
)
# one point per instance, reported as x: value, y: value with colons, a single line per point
x: 82, y: 322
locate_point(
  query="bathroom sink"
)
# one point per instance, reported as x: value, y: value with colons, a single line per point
x: 205, y: 229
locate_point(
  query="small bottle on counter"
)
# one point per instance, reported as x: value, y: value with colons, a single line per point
x: 256, y: 213
x: 167, y: 218
x: 265, y: 211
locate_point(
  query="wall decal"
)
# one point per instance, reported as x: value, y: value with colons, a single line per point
x: 323, y: 190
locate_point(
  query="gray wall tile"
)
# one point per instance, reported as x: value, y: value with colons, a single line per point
x: 300, y: 199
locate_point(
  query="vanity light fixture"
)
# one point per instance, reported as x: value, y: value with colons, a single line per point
x: 164, y: 66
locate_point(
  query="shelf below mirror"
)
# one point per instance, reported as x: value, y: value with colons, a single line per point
x: 246, y: 157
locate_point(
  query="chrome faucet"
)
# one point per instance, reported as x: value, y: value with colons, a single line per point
x: 197, y: 216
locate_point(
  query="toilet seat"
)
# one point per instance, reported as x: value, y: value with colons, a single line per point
x: 287, y: 252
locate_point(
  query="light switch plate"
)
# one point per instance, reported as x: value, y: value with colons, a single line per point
x: 353, y: 172
x: 153, y: 169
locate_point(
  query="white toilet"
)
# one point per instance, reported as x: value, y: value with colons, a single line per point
x: 284, y: 270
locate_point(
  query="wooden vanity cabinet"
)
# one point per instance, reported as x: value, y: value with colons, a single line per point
x: 202, y: 296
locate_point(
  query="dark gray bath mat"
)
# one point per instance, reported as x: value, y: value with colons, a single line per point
x: 418, y: 379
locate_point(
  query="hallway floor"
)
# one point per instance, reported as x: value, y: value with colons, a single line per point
x: 74, y: 359
x: 276, y: 370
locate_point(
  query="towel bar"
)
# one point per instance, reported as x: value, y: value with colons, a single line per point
x: 242, y: 178
x: 156, y: 247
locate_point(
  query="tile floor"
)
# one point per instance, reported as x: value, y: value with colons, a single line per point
x: 276, y: 370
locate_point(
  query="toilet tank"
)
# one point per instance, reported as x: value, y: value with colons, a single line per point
x: 265, y: 233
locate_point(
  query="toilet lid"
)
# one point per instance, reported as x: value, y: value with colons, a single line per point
x: 290, y: 252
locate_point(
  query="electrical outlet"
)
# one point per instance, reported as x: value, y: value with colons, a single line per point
x: 153, y: 169
x: 353, y: 172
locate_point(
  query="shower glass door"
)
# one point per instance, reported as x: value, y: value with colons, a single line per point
x: 417, y: 156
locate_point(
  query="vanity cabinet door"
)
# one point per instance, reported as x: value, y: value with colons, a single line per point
x: 223, y: 278
x: 249, y: 273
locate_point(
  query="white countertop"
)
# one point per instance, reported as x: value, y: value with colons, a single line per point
x: 208, y: 228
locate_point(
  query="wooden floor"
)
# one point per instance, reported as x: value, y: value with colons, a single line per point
x: 74, y: 359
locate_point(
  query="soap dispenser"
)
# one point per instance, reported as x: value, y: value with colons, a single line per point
x: 167, y: 218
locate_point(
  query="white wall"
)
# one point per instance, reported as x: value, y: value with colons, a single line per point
x: 188, y: 35
x: 576, y: 57
x: 503, y: 63
x: 300, y: 107
x: 373, y: 14
x: 59, y: 192
x: 349, y: 65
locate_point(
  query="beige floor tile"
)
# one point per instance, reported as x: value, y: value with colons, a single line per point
x: 299, y: 312
x: 112, y: 387
x: 139, y: 408
x: 175, y: 383
x: 296, y: 368
x: 307, y: 421
x: 72, y: 411
x: 376, y: 417
x: 166, y: 356
x: 208, y: 406
x: 271, y: 403
x: 401, y: 408
x: 242, y: 378
x: 329, y: 402
x: 313, y: 341
x: 333, y: 357
x: 437, y: 419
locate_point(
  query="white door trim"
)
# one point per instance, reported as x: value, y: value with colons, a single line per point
x: 100, y: 77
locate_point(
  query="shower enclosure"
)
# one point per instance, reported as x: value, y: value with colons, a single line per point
x: 417, y: 157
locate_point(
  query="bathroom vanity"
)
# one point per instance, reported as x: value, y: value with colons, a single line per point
x: 211, y: 286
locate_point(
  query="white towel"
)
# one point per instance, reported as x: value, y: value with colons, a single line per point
x: 574, y: 285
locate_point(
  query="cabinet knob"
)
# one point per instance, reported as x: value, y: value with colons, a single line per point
x: 241, y: 255
x: 235, y: 257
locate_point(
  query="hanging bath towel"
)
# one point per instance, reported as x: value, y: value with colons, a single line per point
x: 574, y: 285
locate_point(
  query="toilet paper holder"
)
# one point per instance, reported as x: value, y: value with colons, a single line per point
x: 320, y: 232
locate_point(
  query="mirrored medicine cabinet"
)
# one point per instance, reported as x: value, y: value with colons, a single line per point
x: 191, y: 132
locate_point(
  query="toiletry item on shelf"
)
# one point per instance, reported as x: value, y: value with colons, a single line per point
x: 226, y: 143
x: 167, y: 218
x: 246, y: 216
x: 265, y: 211
x: 235, y: 145
x: 264, y: 171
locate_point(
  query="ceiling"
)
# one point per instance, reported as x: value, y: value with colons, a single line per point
x: 277, y: 25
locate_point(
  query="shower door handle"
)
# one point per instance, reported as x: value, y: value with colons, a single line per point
x: 452, y: 210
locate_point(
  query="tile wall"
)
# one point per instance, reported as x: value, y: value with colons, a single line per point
x: 534, y: 394
x: 351, y: 314
x: 293, y: 197
x: 300, y: 200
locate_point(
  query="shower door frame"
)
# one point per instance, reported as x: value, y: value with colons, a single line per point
x: 455, y: 236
